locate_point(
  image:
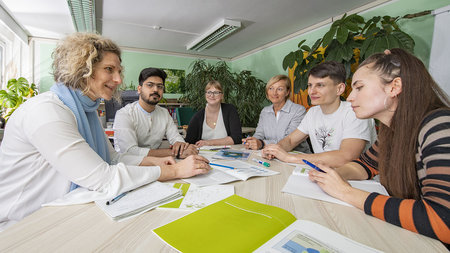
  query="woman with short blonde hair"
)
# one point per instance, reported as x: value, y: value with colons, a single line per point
x: 278, y: 120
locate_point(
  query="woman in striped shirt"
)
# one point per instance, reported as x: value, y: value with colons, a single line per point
x: 412, y: 153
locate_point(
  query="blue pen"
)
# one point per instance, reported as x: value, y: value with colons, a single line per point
x: 261, y: 162
x: 220, y: 165
x: 116, y: 198
x: 313, y: 166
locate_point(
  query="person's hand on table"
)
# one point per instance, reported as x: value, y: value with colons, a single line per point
x: 201, y: 143
x: 178, y: 148
x: 157, y: 161
x: 275, y: 151
x: 191, y: 166
x: 330, y: 181
x: 190, y: 150
x: 252, y: 143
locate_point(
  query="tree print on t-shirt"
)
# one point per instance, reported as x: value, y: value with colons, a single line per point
x: 324, y: 136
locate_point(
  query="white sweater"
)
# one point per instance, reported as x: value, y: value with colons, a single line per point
x: 42, y: 153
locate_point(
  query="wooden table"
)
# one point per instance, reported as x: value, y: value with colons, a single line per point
x: 85, y: 228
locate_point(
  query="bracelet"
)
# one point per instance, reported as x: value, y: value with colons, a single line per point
x: 262, y: 144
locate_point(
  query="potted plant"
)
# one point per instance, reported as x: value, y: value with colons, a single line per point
x: 16, y: 93
x: 349, y: 40
x: 243, y: 90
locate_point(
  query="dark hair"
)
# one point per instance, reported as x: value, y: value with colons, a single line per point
x: 148, y: 72
x: 334, y: 70
x: 398, y: 142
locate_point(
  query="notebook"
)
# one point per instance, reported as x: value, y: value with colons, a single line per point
x: 237, y: 224
x: 139, y: 200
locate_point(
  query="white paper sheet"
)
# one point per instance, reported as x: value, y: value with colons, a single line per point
x: 306, y: 236
x: 301, y: 185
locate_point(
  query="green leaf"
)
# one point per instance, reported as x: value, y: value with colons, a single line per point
x: 299, y: 56
x: 371, y: 32
x: 289, y: 60
x: 304, y: 81
x: 316, y: 45
x: 306, y: 48
x: 365, y: 46
x: 329, y: 36
x: 357, y: 18
x: 393, y: 42
x: 352, y: 26
x: 405, y: 41
x: 301, y: 42
x: 297, y: 84
x: 342, y: 34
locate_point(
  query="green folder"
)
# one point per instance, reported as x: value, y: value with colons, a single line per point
x: 176, y: 204
x: 234, y: 224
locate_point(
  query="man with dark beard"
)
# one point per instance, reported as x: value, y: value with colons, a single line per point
x: 140, y: 127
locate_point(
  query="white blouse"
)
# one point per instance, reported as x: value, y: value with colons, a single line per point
x: 42, y: 153
x: 218, y: 132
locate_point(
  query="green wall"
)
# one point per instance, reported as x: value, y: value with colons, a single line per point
x: 268, y: 62
x: 133, y: 62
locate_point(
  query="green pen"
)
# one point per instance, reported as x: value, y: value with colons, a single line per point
x: 261, y: 162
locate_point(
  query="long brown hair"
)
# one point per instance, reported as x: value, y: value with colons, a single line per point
x: 398, y: 143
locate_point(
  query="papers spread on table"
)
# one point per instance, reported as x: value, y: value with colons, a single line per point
x: 195, y: 197
x: 236, y: 224
x: 139, y: 200
x: 299, y: 184
x: 233, y: 171
x: 232, y: 154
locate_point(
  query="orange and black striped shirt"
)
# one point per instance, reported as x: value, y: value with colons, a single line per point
x: 430, y: 215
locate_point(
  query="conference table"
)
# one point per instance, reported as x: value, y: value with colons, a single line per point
x: 85, y: 228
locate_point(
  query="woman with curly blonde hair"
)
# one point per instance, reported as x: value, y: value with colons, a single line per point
x: 54, y: 142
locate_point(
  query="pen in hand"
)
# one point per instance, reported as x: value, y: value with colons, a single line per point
x: 312, y: 166
x: 115, y: 199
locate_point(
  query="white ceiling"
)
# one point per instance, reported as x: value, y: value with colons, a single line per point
x: 130, y: 22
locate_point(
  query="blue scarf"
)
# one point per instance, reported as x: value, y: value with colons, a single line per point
x: 85, y: 111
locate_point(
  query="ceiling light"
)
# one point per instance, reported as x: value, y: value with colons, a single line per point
x: 83, y: 15
x: 213, y: 35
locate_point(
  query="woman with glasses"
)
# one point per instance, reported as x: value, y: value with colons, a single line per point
x: 278, y: 120
x: 217, y: 124
x: 412, y: 153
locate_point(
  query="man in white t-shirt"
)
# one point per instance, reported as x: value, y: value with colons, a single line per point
x: 140, y: 127
x: 336, y: 135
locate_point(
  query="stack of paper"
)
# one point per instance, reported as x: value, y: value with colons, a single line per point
x: 140, y: 200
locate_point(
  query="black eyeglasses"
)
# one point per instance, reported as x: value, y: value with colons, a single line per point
x: 159, y: 86
x: 213, y: 93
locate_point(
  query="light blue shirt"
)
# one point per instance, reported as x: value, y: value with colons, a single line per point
x: 273, y: 129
